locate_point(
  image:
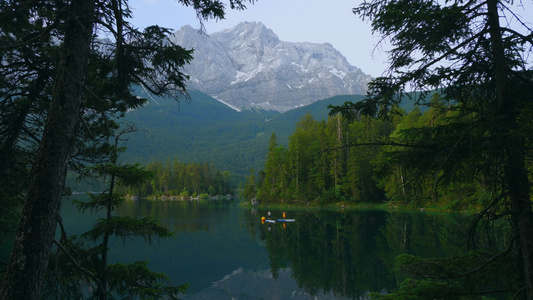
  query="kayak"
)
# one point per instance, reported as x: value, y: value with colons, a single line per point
x: 287, y: 220
x: 270, y: 221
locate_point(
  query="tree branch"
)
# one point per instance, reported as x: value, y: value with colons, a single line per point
x: 379, y: 144
x: 73, y: 260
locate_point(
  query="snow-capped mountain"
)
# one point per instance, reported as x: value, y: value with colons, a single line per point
x: 248, y: 66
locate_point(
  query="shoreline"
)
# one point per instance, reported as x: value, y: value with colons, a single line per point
x: 360, y: 206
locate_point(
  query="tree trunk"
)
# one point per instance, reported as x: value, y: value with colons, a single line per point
x: 33, y: 243
x: 522, y: 215
x: 515, y: 172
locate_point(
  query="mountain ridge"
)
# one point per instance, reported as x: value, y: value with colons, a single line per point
x: 248, y: 66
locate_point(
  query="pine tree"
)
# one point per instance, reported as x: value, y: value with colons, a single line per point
x: 480, y: 66
x: 77, y: 75
x: 250, y: 188
x: 79, y: 264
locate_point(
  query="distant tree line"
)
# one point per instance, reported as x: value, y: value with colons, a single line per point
x: 182, y: 179
x: 337, y: 160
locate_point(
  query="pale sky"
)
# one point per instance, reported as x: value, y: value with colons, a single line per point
x: 315, y: 21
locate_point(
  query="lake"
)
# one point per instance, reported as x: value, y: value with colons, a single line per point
x: 224, y: 251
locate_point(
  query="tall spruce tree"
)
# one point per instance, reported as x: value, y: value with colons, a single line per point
x: 250, y: 188
x: 69, y: 82
x: 271, y: 187
x: 480, y: 64
x: 29, y: 259
x: 78, y: 266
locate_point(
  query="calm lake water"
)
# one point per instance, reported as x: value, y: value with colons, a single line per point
x: 224, y: 252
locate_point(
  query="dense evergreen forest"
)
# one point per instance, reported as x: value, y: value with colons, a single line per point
x: 335, y: 160
x: 206, y: 130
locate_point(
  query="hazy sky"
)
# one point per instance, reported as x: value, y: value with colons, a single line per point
x: 316, y: 21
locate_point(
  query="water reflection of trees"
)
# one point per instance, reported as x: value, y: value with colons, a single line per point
x: 179, y: 216
x: 351, y: 253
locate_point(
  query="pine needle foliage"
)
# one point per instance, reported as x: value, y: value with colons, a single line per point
x: 85, y: 259
x: 127, y: 227
x: 475, y: 54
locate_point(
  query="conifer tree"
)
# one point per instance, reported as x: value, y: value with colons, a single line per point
x: 270, y: 188
x: 83, y: 73
x: 250, y: 188
x: 479, y: 64
x: 80, y: 264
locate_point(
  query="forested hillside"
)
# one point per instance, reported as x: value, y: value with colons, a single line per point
x: 199, y: 130
x: 204, y: 130
x: 363, y: 160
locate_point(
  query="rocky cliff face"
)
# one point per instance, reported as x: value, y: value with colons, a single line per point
x: 248, y: 66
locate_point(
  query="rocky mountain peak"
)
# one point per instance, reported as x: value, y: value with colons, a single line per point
x: 248, y: 32
x: 248, y: 66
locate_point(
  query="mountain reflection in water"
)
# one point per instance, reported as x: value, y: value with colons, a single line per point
x: 257, y: 285
x: 224, y: 251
